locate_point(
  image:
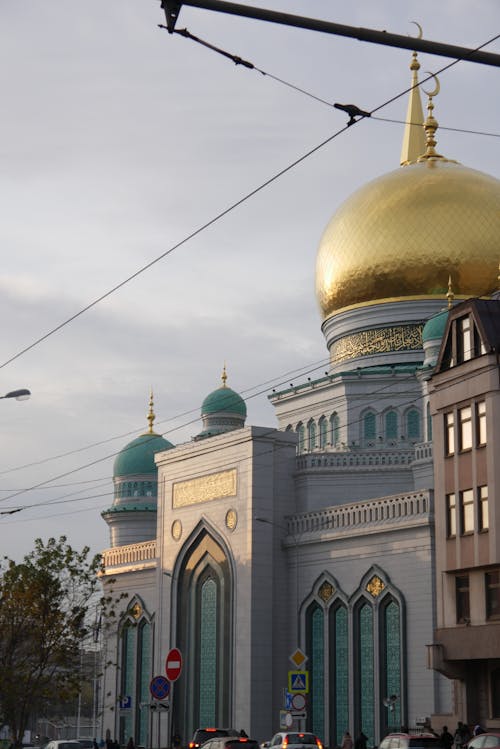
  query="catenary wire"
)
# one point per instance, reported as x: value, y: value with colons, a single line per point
x: 223, y: 213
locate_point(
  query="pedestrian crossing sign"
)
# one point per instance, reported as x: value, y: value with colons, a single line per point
x: 298, y: 681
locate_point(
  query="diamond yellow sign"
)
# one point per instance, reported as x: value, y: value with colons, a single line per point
x: 298, y: 658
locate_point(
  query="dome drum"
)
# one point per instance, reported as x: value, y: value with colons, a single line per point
x: 375, y: 334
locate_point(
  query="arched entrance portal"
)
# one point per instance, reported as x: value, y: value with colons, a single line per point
x: 204, y: 616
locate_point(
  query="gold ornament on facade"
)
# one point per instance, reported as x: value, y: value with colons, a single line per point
x: 176, y: 530
x: 231, y: 519
x: 326, y: 591
x: 136, y: 611
x: 375, y: 586
x: 205, y: 488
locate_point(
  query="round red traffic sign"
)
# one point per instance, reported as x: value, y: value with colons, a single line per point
x: 173, y: 664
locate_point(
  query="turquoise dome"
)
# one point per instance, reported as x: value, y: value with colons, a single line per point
x: 434, y: 327
x: 224, y: 400
x: 138, y: 456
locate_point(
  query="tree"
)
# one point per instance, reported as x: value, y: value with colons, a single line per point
x: 45, y: 602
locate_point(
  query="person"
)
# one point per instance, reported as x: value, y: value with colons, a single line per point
x: 462, y: 735
x: 478, y: 729
x: 361, y: 741
x: 95, y: 745
x: 347, y: 742
x: 446, y: 738
x: 130, y: 744
x: 176, y: 740
x: 243, y: 734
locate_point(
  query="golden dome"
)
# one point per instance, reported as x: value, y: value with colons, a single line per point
x: 402, y: 235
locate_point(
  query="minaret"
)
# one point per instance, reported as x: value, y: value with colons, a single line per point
x: 414, y: 137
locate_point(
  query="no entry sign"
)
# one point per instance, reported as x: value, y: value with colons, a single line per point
x: 173, y: 664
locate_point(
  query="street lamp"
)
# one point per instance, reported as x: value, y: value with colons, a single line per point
x: 20, y: 395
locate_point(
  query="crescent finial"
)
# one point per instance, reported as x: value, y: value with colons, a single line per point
x: 420, y: 31
x: 437, y: 87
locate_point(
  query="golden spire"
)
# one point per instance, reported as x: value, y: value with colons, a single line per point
x: 431, y: 125
x: 224, y: 376
x: 414, y: 138
x: 450, y: 295
x: 151, y: 414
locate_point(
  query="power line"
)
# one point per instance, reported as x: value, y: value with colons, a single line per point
x: 220, y: 215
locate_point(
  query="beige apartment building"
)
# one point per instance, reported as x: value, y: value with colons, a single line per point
x: 464, y: 394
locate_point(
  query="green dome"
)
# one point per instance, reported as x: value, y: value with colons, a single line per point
x: 138, y: 456
x: 224, y: 400
x: 434, y: 327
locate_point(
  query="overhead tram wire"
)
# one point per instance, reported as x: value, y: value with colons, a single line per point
x: 213, y: 449
x: 276, y: 382
x: 251, y: 66
x: 227, y: 210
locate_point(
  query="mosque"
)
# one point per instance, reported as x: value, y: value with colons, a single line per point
x: 293, y: 565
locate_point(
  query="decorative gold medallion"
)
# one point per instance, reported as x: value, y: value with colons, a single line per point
x: 136, y: 610
x: 375, y: 586
x: 231, y: 519
x: 176, y: 530
x: 326, y: 591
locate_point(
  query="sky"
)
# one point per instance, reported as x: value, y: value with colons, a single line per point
x: 118, y: 141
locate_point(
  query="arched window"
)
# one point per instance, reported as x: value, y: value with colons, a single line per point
x: 369, y: 426
x: 316, y: 664
x: 311, y: 435
x: 366, y: 674
x: 391, y: 662
x: 136, y: 672
x: 391, y: 425
x: 339, y: 672
x: 335, y: 428
x: 204, y: 619
x: 323, y: 432
x: 302, y: 437
x: 413, y: 424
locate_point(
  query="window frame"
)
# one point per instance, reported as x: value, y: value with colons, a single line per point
x: 481, y: 423
x: 449, y: 433
x: 465, y: 437
x: 451, y: 515
x: 483, y: 508
x: 489, y: 586
x: 467, y: 524
x: 462, y: 599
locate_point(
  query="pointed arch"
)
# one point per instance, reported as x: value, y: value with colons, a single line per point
x: 391, y: 424
x: 204, y: 615
x: 369, y: 422
x: 323, y: 432
x: 334, y: 428
x: 135, y: 640
x: 311, y: 435
x: 301, y: 432
x: 412, y: 422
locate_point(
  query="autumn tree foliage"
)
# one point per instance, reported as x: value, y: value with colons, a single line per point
x: 46, y: 604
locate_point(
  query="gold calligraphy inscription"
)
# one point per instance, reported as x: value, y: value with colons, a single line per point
x: 377, y: 340
x: 204, y: 488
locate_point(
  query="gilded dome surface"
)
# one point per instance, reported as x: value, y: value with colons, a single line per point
x: 403, y: 234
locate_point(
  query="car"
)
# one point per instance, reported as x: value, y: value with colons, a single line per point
x: 294, y: 740
x: 411, y: 741
x: 63, y: 744
x: 202, y: 735
x: 484, y: 741
x: 231, y: 742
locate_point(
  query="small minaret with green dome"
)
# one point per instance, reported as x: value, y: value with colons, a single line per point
x: 223, y: 410
x: 132, y: 516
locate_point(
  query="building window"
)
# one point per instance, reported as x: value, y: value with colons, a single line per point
x: 323, y: 432
x: 317, y: 665
x: 339, y: 633
x: 429, y: 421
x: 451, y: 515
x: 467, y: 511
x: 302, y: 437
x: 462, y: 599
x: 369, y: 427
x: 366, y: 672
x: 465, y: 428
x: 464, y: 339
x: 391, y: 619
x: 492, y: 584
x: 311, y: 435
x: 449, y: 433
x: 481, y: 422
x: 335, y: 428
x: 413, y: 425
x: 484, y: 522
x: 391, y: 425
